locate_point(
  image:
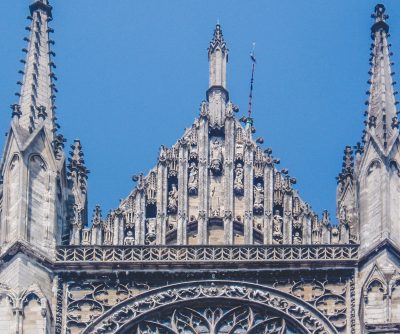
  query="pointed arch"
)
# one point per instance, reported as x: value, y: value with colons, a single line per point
x: 35, y: 309
x: 168, y: 301
x: 394, y: 288
x: 375, y: 290
x: 7, y: 303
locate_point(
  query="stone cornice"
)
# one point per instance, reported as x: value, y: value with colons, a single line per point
x: 22, y: 247
x: 192, y: 257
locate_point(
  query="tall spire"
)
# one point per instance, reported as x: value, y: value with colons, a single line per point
x: 382, y: 124
x: 217, y: 57
x: 37, y: 94
x: 217, y: 95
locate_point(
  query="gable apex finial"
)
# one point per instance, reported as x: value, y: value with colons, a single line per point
x: 43, y: 5
x: 217, y: 39
x: 380, y: 19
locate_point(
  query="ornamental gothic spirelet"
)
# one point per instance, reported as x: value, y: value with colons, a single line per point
x: 213, y: 239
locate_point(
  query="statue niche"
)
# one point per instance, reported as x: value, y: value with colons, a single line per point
x: 297, y: 236
x: 129, y: 240
x: 151, y: 230
x: 216, y: 157
x: 173, y: 199
x: 238, y: 186
x: 258, y: 198
x: 277, y: 228
x: 193, y: 182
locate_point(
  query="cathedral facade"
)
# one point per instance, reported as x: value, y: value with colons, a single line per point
x: 213, y: 239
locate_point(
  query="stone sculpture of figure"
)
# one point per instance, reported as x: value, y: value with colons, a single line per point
x: 108, y: 234
x: 315, y: 230
x: 335, y: 235
x: 215, y: 204
x: 193, y: 183
x: 173, y: 199
x: 129, y: 240
x: 151, y: 230
x: 342, y: 214
x: 238, y: 181
x: 216, y: 157
x: 163, y: 154
x: 297, y: 240
x: 277, y: 225
x: 152, y: 189
x: 258, y: 198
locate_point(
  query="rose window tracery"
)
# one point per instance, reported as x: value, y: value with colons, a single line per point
x: 216, y: 319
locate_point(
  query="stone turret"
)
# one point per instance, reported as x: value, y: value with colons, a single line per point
x: 33, y: 166
x: 34, y: 190
x: 377, y: 172
x: 368, y: 196
x: 217, y: 94
x: 77, y: 178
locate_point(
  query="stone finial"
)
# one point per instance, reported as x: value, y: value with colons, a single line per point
x: 379, y: 13
x: 217, y: 58
x: 381, y: 116
x: 96, y: 219
x: 217, y: 40
x: 16, y: 111
x: 347, y: 165
x: 77, y: 168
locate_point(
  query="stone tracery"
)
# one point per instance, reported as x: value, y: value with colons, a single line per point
x: 217, y: 307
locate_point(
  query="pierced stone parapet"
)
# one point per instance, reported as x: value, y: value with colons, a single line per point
x: 204, y: 255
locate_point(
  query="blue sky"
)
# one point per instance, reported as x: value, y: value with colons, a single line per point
x: 132, y: 75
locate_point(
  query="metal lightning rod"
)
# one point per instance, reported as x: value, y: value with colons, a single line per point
x: 253, y: 63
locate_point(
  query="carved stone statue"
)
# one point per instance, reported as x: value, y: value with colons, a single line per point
x: 193, y: 183
x: 343, y: 214
x: 277, y: 226
x: 173, y: 199
x: 152, y: 189
x: 151, y: 230
x: 335, y: 235
x: 163, y: 154
x: 258, y: 198
x: 129, y: 240
x: 297, y: 239
x: 215, y: 203
x: 316, y: 230
x: 108, y: 233
x: 238, y: 181
x: 216, y: 157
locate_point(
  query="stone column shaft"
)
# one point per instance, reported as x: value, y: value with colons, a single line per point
x: 203, y: 181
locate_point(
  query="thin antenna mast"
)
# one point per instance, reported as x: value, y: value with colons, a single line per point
x: 249, y: 122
